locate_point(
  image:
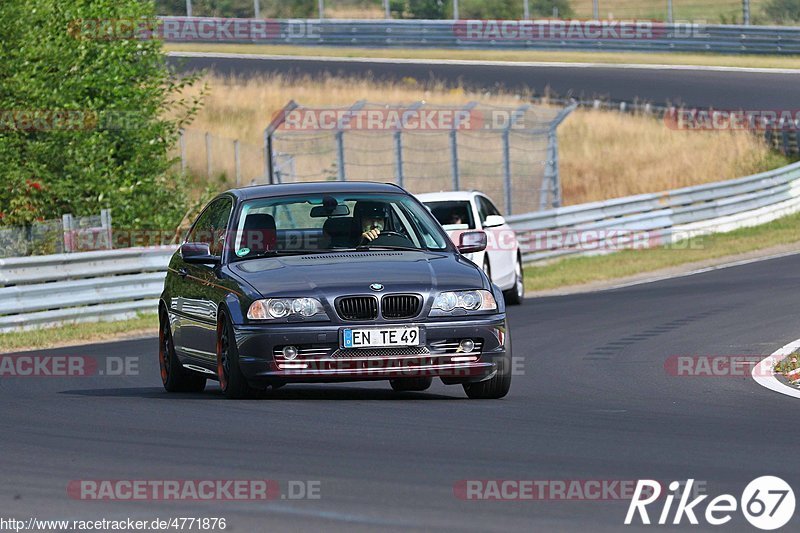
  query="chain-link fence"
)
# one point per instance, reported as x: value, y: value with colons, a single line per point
x: 713, y: 11
x: 509, y: 153
x: 69, y: 234
x: 204, y: 154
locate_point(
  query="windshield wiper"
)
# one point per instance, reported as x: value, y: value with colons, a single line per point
x: 275, y: 253
x: 368, y: 247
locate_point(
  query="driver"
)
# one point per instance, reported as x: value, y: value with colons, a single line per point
x: 371, y: 218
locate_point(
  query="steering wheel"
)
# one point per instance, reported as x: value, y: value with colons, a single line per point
x: 384, y: 234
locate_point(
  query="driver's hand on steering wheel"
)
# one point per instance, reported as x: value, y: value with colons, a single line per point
x: 371, y: 235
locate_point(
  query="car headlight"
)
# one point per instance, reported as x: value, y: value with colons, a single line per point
x: 275, y: 308
x: 449, y: 302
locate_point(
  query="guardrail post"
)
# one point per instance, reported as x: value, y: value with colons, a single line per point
x: 256, y: 9
x: 526, y: 9
x: 188, y: 8
x: 595, y: 9
x: 105, y: 223
x: 746, y: 12
x: 669, y: 11
x: 455, y: 10
x: 321, y: 7
x: 69, y: 238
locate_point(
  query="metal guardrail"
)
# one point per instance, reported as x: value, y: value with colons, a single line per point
x: 661, y: 218
x: 604, y: 35
x: 106, y: 285
x: 76, y: 287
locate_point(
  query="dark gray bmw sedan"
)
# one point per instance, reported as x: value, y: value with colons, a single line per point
x: 326, y: 282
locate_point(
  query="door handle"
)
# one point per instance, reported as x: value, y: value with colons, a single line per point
x: 183, y: 272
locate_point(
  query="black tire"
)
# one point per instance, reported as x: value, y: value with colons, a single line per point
x: 174, y: 377
x: 487, y: 268
x: 498, y: 386
x: 411, y: 384
x: 231, y: 380
x: 516, y: 294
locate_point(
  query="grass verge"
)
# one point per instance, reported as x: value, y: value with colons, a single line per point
x: 582, y: 270
x: 611, y: 58
x: 80, y: 333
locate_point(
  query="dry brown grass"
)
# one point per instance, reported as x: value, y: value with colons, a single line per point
x: 606, y: 154
x: 603, y: 154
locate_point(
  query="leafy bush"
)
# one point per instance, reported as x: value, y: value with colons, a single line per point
x: 782, y: 11
x: 115, y: 155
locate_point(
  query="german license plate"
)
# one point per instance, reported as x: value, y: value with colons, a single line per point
x: 380, y: 337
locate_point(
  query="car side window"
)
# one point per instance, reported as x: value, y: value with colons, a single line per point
x: 211, y: 225
x: 482, y: 213
x: 490, y: 208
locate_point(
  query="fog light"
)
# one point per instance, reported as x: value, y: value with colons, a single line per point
x: 289, y: 352
x: 466, y: 346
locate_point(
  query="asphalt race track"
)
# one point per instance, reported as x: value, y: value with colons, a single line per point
x: 594, y: 402
x: 700, y: 87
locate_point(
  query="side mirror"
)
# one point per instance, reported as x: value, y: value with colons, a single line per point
x: 471, y: 242
x: 492, y: 221
x: 198, y: 253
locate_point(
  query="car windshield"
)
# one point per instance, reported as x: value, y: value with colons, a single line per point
x: 321, y: 223
x: 453, y: 214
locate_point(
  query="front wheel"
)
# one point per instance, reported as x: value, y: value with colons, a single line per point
x: 516, y: 294
x: 174, y: 377
x: 499, y: 385
x: 231, y: 380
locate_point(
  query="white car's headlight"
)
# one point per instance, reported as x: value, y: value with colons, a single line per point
x: 275, y: 308
x: 477, y: 300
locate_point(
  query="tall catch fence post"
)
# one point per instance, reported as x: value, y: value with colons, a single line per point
x: 343, y: 122
x: 552, y: 179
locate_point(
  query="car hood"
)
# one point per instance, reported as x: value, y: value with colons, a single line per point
x: 353, y: 273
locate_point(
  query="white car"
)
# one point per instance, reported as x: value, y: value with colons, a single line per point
x: 459, y: 211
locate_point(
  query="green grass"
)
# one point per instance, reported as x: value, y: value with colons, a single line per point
x: 79, y: 333
x: 758, y: 61
x: 581, y: 270
x: 791, y: 362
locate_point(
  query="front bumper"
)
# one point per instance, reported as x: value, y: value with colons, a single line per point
x: 321, y: 359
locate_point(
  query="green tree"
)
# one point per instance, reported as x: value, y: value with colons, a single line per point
x: 59, y: 62
x: 782, y: 11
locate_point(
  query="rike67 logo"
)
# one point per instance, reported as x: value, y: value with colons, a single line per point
x: 767, y: 503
